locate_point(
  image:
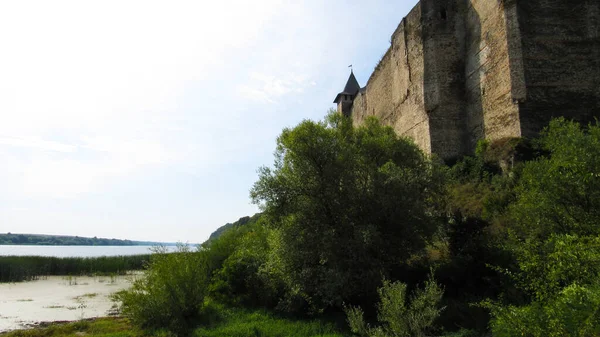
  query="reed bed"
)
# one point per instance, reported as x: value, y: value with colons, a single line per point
x: 27, y: 268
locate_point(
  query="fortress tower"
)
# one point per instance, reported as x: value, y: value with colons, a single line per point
x: 461, y: 70
x: 345, y: 98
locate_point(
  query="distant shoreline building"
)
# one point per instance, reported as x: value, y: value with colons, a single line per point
x: 462, y: 70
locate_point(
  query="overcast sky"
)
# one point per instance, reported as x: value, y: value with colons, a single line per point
x: 147, y: 120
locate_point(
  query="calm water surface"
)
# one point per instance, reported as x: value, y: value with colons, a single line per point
x: 76, y: 251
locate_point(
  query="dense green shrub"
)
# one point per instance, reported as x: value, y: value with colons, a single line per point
x: 574, y: 311
x: 555, y: 238
x: 561, y: 274
x: 219, y: 249
x: 172, y: 292
x: 555, y: 235
x: 397, y: 316
x: 240, y: 280
x: 559, y: 193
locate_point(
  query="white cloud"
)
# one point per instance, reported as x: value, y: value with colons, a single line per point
x: 265, y: 88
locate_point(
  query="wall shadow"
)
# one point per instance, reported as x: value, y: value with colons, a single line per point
x: 561, y: 55
x: 451, y: 31
x: 474, y: 86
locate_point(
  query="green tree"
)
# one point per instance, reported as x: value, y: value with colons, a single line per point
x: 347, y: 205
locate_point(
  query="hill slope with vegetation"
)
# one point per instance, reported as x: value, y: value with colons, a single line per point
x: 246, y: 220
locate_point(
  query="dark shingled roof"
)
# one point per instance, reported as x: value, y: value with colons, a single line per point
x: 352, y: 84
x: 351, y: 87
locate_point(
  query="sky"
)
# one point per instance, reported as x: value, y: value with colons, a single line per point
x: 148, y: 120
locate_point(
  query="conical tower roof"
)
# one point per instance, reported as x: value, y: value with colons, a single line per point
x: 351, y: 88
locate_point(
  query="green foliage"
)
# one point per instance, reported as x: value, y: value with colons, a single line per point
x: 575, y: 311
x: 220, y: 249
x: 548, y: 266
x: 556, y: 238
x: 348, y: 204
x: 240, y: 280
x: 479, y: 186
x: 557, y: 211
x: 27, y: 268
x: 260, y: 323
x: 561, y: 275
x: 480, y: 190
x: 463, y: 333
x: 397, y: 316
x: 560, y: 193
x: 505, y: 152
x: 172, y: 292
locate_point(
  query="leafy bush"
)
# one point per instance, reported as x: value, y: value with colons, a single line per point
x: 560, y: 192
x: 574, y: 312
x: 172, y: 292
x: 220, y: 249
x: 397, y: 317
x: 556, y: 238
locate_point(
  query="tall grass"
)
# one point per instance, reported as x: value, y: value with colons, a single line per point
x: 27, y: 268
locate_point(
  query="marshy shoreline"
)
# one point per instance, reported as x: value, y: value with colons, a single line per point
x: 59, y: 299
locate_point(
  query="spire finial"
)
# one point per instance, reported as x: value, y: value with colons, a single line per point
x: 351, y: 70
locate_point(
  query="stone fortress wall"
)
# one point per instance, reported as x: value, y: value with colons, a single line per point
x: 461, y: 70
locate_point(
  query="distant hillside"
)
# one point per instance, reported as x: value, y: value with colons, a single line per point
x: 64, y: 240
x: 241, y: 222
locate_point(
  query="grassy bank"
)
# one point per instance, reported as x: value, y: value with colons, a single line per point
x: 107, y: 327
x: 230, y: 322
x: 26, y: 268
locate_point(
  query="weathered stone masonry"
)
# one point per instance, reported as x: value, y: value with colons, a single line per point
x: 461, y: 70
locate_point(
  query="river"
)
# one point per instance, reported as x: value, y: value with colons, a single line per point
x: 75, y: 251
